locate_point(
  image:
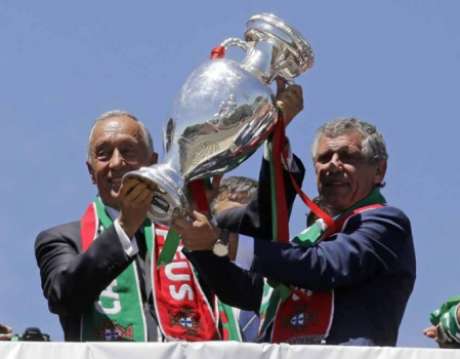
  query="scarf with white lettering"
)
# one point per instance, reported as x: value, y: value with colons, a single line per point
x: 182, y: 309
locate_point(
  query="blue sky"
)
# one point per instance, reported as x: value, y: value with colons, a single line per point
x: 393, y: 63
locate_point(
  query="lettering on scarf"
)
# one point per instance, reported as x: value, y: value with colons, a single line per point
x: 174, y: 271
x: 109, y: 300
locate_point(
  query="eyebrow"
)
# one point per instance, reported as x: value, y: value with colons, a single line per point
x: 342, y: 148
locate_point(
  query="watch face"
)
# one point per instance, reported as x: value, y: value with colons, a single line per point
x: 220, y: 249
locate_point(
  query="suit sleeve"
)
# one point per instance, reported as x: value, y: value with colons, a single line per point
x: 255, y: 219
x: 375, y: 241
x: 72, y: 280
x: 232, y: 284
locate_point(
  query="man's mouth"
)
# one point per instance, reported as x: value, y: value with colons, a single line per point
x: 334, y: 181
x: 335, y: 184
x: 115, y: 183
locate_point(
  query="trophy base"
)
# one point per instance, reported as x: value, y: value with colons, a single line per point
x: 168, y: 197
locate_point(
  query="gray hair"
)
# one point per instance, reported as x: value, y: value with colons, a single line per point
x: 119, y: 113
x: 373, y: 145
x: 235, y: 184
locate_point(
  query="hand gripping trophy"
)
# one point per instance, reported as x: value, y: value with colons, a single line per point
x: 223, y: 112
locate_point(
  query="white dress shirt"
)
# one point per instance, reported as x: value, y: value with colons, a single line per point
x: 129, y: 246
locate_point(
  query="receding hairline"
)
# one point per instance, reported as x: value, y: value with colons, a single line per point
x: 114, y: 114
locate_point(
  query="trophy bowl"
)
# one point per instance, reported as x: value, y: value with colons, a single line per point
x: 223, y: 112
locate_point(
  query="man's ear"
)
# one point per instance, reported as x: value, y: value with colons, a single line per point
x: 91, y: 172
x: 380, y: 172
x: 153, y: 158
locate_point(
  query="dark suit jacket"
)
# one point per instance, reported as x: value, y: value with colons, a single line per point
x: 72, y: 280
x: 370, y: 264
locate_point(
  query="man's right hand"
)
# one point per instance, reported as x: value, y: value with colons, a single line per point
x: 289, y: 100
x: 135, y: 198
x: 197, y: 232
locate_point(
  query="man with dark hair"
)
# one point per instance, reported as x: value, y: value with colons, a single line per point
x: 345, y: 279
x: 234, y: 191
x: 6, y: 332
x: 237, y: 192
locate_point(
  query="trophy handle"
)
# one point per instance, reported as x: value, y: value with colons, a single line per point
x: 245, y: 46
x: 256, y: 61
x: 237, y: 42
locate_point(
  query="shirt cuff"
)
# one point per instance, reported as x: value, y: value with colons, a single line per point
x: 129, y: 246
x: 245, y: 250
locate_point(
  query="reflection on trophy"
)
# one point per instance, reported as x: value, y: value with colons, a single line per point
x: 223, y: 112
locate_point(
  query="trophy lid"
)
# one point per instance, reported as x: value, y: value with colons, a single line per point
x: 269, y: 26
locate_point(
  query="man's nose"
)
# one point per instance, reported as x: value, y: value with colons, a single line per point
x: 335, y: 164
x: 116, y: 160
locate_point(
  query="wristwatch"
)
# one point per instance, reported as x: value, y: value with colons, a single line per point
x: 220, y: 248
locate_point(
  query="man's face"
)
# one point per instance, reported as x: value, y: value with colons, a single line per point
x: 343, y: 175
x: 117, y: 146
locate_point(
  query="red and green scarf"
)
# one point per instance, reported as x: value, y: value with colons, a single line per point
x: 182, y: 309
x: 304, y: 316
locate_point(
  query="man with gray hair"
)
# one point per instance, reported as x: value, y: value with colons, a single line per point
x: 100, y: 274
x: 91, y: 269
x: 350, y: 159
x: 345, y: 279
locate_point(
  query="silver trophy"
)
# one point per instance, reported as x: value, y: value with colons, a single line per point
x: 223, y: 112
